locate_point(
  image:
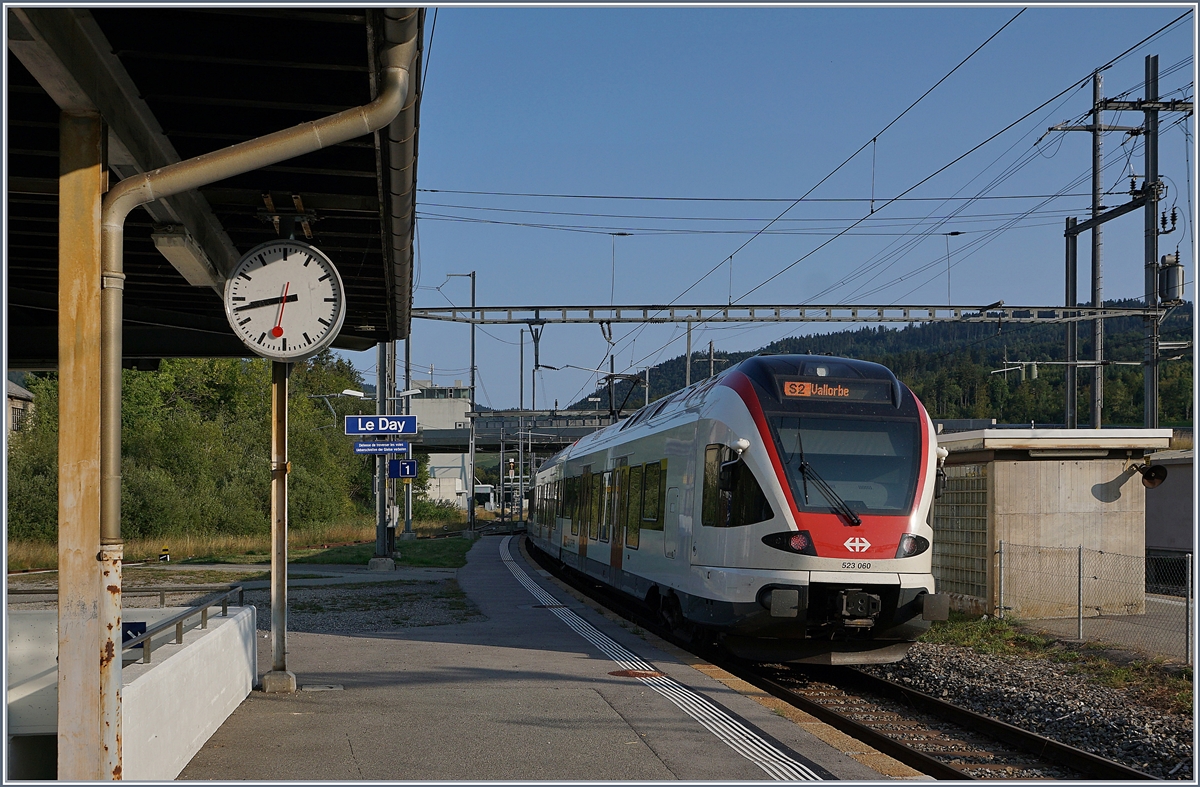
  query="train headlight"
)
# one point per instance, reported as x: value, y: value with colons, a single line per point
x: 911, y: 545
x: 797, y: 542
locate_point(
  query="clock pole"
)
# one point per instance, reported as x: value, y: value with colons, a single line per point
x: 279, y: 679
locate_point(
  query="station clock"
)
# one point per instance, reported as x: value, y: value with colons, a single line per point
x: 285, y: 300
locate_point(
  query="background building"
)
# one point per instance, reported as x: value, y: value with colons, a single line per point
x: 444, y: 407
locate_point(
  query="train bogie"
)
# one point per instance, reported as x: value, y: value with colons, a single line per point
x: 714, y: 507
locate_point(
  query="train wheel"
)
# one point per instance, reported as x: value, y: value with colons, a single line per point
x: 672, y: 613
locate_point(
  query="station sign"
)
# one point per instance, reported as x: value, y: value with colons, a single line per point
x: 382, y: 447
x: 381, y: 424
x: 402, y: 468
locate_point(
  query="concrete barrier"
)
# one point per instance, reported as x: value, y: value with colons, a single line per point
x: 170, y: 707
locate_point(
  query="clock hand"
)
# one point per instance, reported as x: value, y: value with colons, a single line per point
x: 277, y: 331
x: 264, y: 302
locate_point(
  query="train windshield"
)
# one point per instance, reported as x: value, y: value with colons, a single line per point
x: 870, y: 464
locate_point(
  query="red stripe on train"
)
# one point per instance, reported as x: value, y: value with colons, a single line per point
x: 831, y: 534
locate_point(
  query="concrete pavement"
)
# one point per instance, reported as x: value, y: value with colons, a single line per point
x: 528, y: 693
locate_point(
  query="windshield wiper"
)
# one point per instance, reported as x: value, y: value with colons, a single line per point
x: 833, y: 497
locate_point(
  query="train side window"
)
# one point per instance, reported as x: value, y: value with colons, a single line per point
x: 596, y: 507
x: 573, y: 499
x: 662, y: 495
x: 743, y: 503
x: 654, y: 493
x: 585, y: 496
x: 605, y: 508
x: 651, y: 484
x: 712, y: 506
x: 633, y: 512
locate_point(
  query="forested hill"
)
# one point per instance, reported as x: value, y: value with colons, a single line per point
x: 949, y: 366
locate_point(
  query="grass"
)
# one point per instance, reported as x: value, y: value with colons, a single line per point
x: 242, y: 549
x: 424, y: 552
x: 1157, y: 682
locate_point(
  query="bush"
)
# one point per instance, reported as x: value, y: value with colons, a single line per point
x: 196, y: 450
x: 435, y: 510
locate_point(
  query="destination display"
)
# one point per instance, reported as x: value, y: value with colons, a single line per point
x: 845, y: 390
x: 381, y: 424
x: 382, y: 447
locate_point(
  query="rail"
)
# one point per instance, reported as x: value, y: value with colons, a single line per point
x: 146, y: 640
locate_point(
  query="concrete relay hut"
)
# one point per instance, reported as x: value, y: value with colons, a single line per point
x: 1055, y: 498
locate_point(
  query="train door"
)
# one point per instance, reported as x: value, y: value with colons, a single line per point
x: 585, y: 514
x: 671, y: 526
x: 620, y: 510
x: 708, y: 540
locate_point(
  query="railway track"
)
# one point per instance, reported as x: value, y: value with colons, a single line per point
x: 930, y: 735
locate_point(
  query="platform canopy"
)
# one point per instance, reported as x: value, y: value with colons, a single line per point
x: 173, y: 83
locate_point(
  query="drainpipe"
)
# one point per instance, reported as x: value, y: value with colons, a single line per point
x: 395, y: 89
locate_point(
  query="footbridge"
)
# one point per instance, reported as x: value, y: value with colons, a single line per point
x: 542, y: 431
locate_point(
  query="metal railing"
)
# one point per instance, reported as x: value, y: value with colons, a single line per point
x: 145, y: 641
x: 1143, y: 603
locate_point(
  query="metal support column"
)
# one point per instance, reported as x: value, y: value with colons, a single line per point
x: 1000, y: 581
x: 1150, y: 354
x: 82, y: 182
x: 1071, y: 389
x: 612, y: 402
x: 501, y: 473
x: 520, y: 469
x: 279, y: 679
x: 1097, y: 267
x: 381, y: 402
x: 535, y: 331
x: 1079, y: 601
x: 471, y: 451
x: 393, y: 407
x: 408, y: 490
x: 1189, y: 631
x: 687, y: 377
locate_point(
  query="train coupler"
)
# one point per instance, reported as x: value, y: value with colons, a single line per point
x: 859, y: 609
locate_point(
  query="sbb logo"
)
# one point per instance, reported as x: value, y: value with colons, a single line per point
x: 857, y: 544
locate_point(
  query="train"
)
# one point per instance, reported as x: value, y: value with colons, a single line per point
x: 780, y: 509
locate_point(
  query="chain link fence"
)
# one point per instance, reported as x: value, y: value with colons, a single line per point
x: 1131, y: 602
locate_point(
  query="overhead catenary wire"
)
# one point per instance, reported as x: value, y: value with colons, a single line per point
x: 1074, y: 86
x: 872, y: 141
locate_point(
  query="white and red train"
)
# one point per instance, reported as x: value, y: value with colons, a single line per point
x: 781, y: 507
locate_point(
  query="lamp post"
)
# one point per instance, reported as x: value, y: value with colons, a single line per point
x: 471, y: 450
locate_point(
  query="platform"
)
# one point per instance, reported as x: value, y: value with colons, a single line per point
x: 169, y: 706
x: 544, y: 688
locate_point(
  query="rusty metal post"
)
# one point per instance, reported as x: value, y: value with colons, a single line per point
x: 82, y: 182
x: 279, y: 680
x: 110, y: 556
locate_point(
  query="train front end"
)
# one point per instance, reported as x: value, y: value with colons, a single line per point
x: 845, y: 457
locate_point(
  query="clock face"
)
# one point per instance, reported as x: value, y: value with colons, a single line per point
x: 285, y: 300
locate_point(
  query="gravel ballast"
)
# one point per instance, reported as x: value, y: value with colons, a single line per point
x: 1049, y: 699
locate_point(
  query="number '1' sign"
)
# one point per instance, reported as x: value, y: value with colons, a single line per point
x: 381, y: 424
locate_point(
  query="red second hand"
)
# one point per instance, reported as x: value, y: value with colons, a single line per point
x: 277, y: 331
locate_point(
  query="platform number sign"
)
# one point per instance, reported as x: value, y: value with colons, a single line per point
x: 402, y: 468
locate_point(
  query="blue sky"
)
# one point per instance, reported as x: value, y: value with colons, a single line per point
x: 762, y: 104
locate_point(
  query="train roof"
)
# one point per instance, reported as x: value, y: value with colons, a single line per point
x: 762, y: 369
